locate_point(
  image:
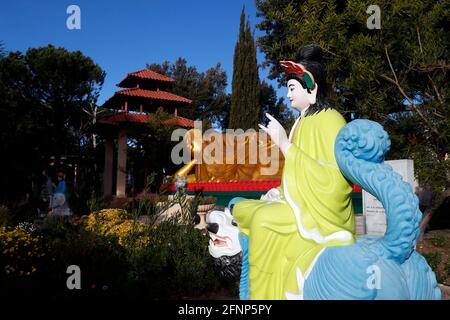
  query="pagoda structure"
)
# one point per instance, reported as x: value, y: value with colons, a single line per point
x: 144, y: 92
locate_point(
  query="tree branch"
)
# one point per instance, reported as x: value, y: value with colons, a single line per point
x: 395, y: 81
x: 420, y: 42
x: 428, y: 75
x: 429, y: 68
x: 435, y: 89
x: 397, y: 84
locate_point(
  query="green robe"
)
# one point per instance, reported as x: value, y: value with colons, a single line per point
x: 316, y: 211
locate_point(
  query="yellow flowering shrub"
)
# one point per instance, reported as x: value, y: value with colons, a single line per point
x: 116, y: 222
x: 19, y: 252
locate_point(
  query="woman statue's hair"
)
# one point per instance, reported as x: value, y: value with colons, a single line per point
x: 310, y: 56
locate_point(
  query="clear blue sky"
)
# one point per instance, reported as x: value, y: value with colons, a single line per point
x: 123, y: 36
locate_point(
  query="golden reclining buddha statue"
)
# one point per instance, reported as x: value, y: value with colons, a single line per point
x: 225, y: 157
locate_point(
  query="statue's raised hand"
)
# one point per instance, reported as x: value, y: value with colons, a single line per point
x: 277, y: 133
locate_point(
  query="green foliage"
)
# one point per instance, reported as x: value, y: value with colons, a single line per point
x: 37, y: 262
x: 5, y: 216
x: 188, y: 205
x: 149, y: 208
x: 95, y: 203
x: 101, y: 259
x: 144, y: 206
x: 433, y: 259
x: 21, y: 255
x: 210, y: 102
x: 42, y: 96
x: 245, y: 109
x: 440, y: 240
x: 447, y: 268
x: 175, y: 264
x: 168, y: 260
x: 153, y: 206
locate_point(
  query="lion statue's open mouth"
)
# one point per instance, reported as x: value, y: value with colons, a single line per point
x: 220, y: 242
x: 224, y: 244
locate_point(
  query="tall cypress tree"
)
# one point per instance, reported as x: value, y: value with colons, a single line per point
x: 245, y: 110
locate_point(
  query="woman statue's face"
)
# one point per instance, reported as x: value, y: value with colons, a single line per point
x: 299, y: 97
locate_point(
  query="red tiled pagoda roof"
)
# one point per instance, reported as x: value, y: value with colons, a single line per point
x: 149, y: 94
x: 125, y: 117
x: 146, y: 74
x: 180, y: 121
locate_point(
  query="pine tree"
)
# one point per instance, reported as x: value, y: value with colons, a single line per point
x: 245, y: 110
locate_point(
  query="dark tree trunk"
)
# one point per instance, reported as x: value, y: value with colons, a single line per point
x: 437, y: 201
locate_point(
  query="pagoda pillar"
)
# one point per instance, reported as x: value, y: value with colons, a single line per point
x: 121, y: 164
x: 108, y: 168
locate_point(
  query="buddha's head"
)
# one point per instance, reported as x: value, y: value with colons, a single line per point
x: 306, y: 80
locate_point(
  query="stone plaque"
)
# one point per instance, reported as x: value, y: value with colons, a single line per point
x: 374, y: 213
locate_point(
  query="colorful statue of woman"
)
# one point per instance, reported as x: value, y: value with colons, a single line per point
x: 298, y: 240
x: 312, y: 208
